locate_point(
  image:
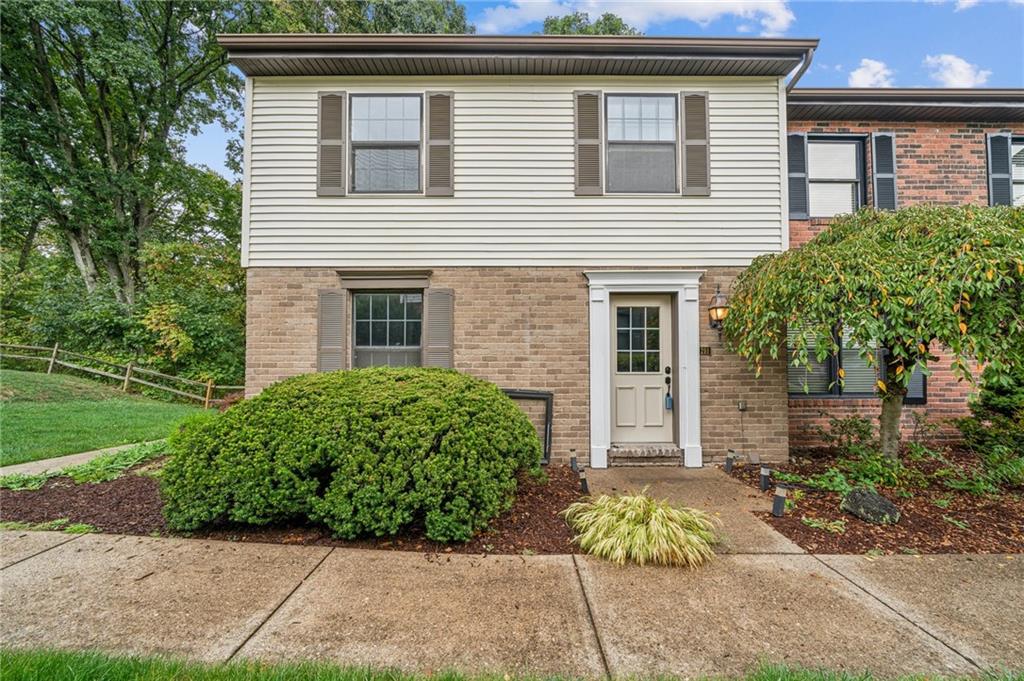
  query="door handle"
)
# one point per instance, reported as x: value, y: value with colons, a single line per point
x: 668, y: 388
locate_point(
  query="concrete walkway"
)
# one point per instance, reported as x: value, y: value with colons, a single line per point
x: 61, y: 462
x: 708, y: 489
x: 567, y: 615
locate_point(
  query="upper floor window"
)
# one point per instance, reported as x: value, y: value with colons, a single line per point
x: 385, y: 138
x: 835, y: 176
x: 642, y: 143
x: 1017, y: 163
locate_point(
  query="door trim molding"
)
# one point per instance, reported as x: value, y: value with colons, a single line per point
x: 685, y: 284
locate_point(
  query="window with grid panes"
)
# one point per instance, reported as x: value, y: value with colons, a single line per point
x: 385, y: 143
x: 638, y: 339
x: 387, y: 327
x: 642, y: 133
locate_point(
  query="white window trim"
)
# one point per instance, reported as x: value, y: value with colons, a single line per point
x: 685, y: 284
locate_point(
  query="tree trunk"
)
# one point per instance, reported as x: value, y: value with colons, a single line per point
x: 83, y: 259
x: 889, y: 424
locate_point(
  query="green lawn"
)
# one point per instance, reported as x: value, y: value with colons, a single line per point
x: 42, y: 416
x: 78, y: 666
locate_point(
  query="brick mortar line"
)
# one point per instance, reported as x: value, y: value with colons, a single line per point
x: 279, y: 605
x: 39, y: 553
x: 590, y: 617
x: 902, y: 616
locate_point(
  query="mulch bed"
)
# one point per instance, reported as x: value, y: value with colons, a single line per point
x: 132, y: 505
x: 991, y: 524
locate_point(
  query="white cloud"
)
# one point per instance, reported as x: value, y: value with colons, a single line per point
x: 965, y: 4
x: 871, y: 73
x: 772, y: 16
x: 950, y: 70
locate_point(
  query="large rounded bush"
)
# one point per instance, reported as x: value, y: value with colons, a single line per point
x: 366, y: 452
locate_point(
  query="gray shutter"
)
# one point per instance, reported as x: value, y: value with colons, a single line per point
x: 696, y: 159
x: 588, y: 143
x: 439, y: 334
x: 1000, y: 177
x: 883, y: 160
x: 330, y: 355
x: 796, y: 153
x: 440, y: 152
x: 331, y: 179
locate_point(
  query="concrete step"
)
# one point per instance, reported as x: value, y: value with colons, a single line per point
x: 653, y: 454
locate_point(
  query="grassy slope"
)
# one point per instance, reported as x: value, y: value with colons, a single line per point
x: 75, y: 666
x: 43, y: 416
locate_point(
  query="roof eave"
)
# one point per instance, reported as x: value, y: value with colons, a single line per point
x: 510, y: 55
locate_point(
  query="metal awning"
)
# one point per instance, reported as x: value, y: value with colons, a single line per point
x: 1004, y: 105
x: 470, y: 55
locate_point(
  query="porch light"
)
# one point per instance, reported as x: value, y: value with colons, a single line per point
x: 718, y: 310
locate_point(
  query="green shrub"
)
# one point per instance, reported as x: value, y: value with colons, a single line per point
x: 365, y: 452
x: 997, y: 416
x: 642, y: 529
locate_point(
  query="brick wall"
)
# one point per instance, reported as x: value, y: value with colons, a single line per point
x: 725, y: 380
x: 523, y: 328
x: 937, y: 163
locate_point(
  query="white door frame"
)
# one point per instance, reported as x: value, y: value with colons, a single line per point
x: 686, y: 377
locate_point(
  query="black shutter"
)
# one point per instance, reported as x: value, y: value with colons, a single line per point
x: 883, y: 156
x: 1000, y: 177
x: 796, y: 151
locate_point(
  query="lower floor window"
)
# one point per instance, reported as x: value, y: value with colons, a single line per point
x: 387, y: 327
x: 821, y: 378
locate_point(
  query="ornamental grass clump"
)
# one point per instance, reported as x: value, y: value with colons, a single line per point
x: 643, y: 530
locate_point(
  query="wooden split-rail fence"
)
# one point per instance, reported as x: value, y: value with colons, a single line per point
x: 128, y: 374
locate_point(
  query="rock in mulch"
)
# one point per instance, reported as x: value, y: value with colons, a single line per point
x: 870, y: 507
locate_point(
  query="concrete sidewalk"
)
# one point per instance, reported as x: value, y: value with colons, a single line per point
x: 566, y: 615
x: 61, y: 462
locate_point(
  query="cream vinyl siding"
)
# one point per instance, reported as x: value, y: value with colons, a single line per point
x: 514, y: 201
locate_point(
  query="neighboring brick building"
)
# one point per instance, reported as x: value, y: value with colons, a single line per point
x: 941, y: 152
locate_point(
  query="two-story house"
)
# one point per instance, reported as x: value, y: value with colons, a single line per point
x: 549, y: 213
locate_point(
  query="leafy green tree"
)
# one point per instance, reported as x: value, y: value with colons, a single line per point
x: 416, y: 16
x: 112, y: 243
x: 98, y: 98
x: 367, y: 16
x: 897, y: 282
x: 578, y: 23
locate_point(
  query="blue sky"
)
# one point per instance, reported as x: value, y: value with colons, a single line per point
x: 927, y: 43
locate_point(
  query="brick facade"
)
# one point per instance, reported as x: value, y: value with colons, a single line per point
x: 936, y: 163
x: 524, y: 328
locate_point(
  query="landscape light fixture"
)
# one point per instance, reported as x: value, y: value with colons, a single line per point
x: 779, y: 501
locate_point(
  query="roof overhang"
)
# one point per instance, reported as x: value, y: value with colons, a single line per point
x: 470, y: 55
x: 907, y: 104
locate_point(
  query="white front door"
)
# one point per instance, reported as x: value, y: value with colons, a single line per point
x: 641, y: 361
